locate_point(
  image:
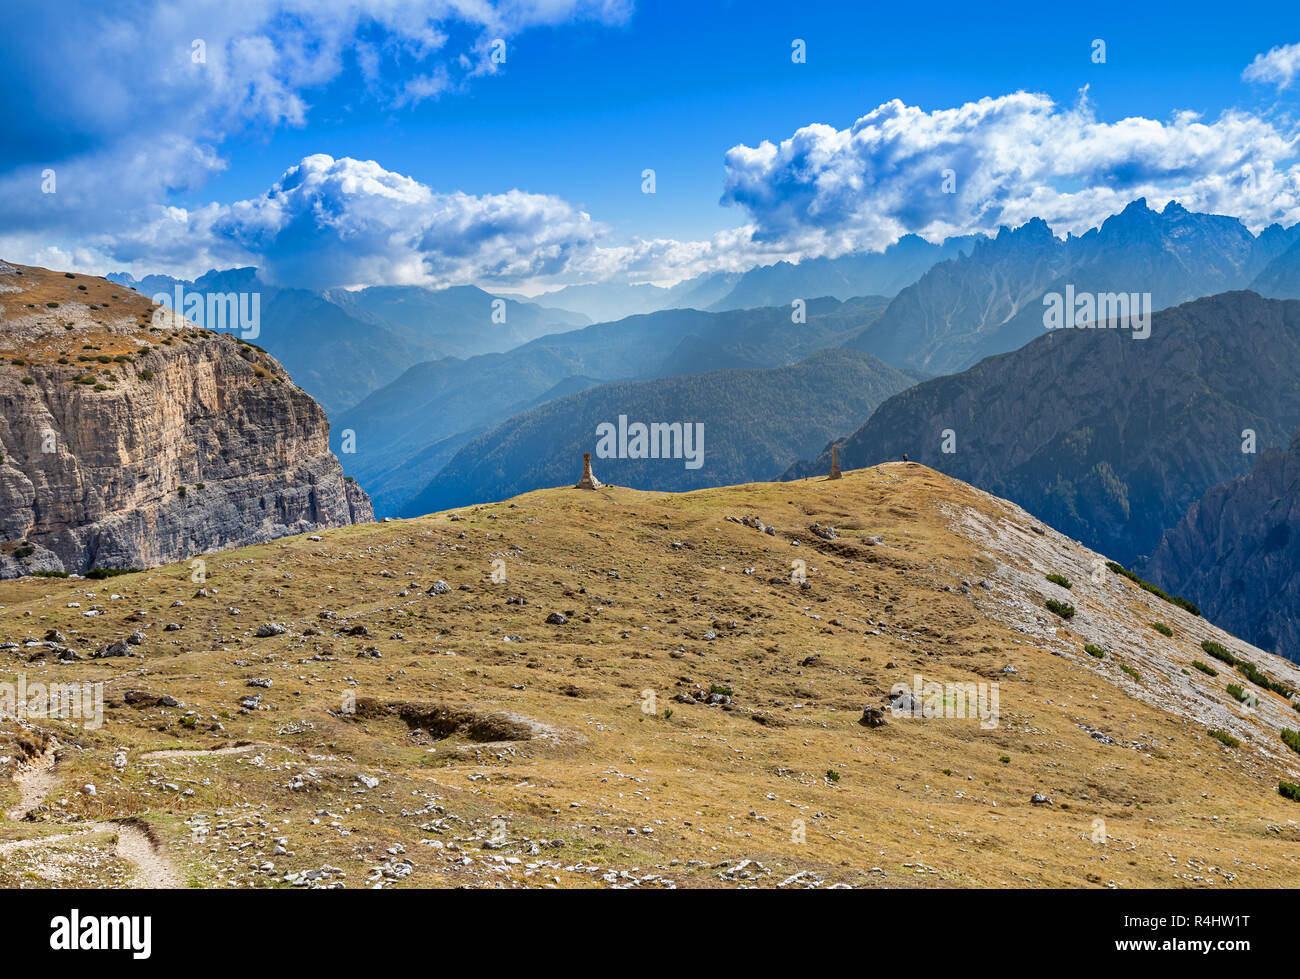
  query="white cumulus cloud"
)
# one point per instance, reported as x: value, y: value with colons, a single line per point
x: 1005, y: 160
x: 1279, y: 66
x: 344, y: 222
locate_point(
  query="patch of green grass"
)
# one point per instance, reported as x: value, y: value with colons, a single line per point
x: 1207, y: 670
x: 1059, y: 579
x: 1096, y: 651
x: 1005, y: 759
x: 1161, y: 628
x: 1130, y: 671
x: 1064, y: 609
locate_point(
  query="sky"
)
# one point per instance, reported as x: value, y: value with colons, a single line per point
x: 505, y: 143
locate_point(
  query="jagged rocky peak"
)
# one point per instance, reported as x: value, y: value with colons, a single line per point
x: 130, y: 437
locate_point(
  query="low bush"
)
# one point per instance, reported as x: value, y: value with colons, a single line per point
x: 1224, y: 738
x: 1218, y: 651
x: 1160, y: 593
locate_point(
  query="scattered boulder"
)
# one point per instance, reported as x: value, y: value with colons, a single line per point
x: 872, y: 717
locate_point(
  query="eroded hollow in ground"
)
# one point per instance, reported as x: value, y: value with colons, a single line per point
x: 440, y: 721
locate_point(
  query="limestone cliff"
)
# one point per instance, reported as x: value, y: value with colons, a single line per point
x: 131, y: 438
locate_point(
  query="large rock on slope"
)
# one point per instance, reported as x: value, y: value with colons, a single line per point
x: 1237, y: 554
x: 129, y: 440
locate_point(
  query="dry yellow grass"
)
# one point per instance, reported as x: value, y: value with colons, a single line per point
x: 602, y: 767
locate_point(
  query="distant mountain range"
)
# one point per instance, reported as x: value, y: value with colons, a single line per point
x: 991, y: 301
x: 1280, y: 279
x: 883, y: 273
x: 423, y: 386
x: 1106, y: 437
x: 603, y: 302
x: 340, y: 346
x: 406, y: 431
x: 751, y: 423
x: 1236, y: 553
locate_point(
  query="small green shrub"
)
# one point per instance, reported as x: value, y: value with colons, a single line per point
x: 1059, y: 579
x: 1130, y: 671
x: 718, y: 688
x: 1161, y: 628
x: 1261, y: 679
x: 1064, y: 609
x: 50, y: 574
x: 1182, y: 603
x: 1223, y: 737
x: 1289, y: 790
x: 1005, y: 759
x: 99, y: 574
x: 1291, y: 739
x: 1207, y: 670
x: 24, y: 551
x: 1096, y: 651
x: 832, y: 774
x: 1218, y: 651
x: 1235, y: 691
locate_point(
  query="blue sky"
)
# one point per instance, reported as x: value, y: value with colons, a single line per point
x: 174, y: 168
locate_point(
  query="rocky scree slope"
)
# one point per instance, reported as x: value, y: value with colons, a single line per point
x: 131, y: 440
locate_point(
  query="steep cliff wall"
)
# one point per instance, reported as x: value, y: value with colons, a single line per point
x: 131, y: 438
x: 1237, y: 554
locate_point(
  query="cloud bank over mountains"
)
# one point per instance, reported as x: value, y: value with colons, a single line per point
x: 125, y: 147
x: 1001, y: 161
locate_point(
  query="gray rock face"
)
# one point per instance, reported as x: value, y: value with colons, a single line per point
x: 130, y: 440
x: 1236, y: 554
x: 989, y: 301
